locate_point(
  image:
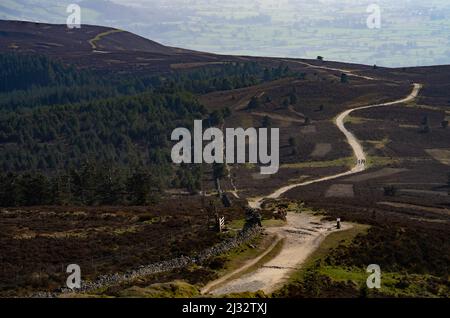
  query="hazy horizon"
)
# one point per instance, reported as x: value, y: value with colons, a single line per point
x: 411, y: 33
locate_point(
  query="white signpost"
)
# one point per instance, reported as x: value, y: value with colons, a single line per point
x: 221, y: 223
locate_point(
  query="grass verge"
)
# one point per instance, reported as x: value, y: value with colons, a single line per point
x: 342, y: 162
x: 341, y: 238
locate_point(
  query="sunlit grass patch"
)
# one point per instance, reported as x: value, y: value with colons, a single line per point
x: 377, y: 161
x: 342, y: 162
x: 379, y: 144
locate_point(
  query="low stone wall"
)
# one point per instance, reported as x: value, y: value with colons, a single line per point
x: 165, y: 266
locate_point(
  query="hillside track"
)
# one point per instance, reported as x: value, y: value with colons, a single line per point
x: 297, y: 247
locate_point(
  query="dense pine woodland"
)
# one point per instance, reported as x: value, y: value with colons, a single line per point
x: 70, y: 136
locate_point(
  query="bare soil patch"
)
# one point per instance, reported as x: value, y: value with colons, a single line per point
x: 302, y: 234
x: 340, y: 191
x: 321, y: 150
x: 441, y: 155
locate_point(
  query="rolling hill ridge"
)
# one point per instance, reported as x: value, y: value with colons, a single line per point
x: 95, y: 47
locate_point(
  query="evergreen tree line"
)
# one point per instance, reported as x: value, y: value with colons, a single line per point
x: 97, y: 184
x: 132, y: 130
x: 31, y: 81
x: 22, y: 72
x: 228, y: 76
x: 55, y: 118
x: 88, y: 186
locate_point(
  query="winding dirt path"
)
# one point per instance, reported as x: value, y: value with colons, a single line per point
x: 352, y: 141
x: 98, y: 37
x: 303, y: 232
x: 348, y: 72
x: 216, y: 284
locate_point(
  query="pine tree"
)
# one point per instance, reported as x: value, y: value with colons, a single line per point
x: 254, y: 103
x: 293, y: 98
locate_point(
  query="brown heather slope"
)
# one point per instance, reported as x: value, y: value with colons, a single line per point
x: 399, y: 154
x: 95, y: 47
